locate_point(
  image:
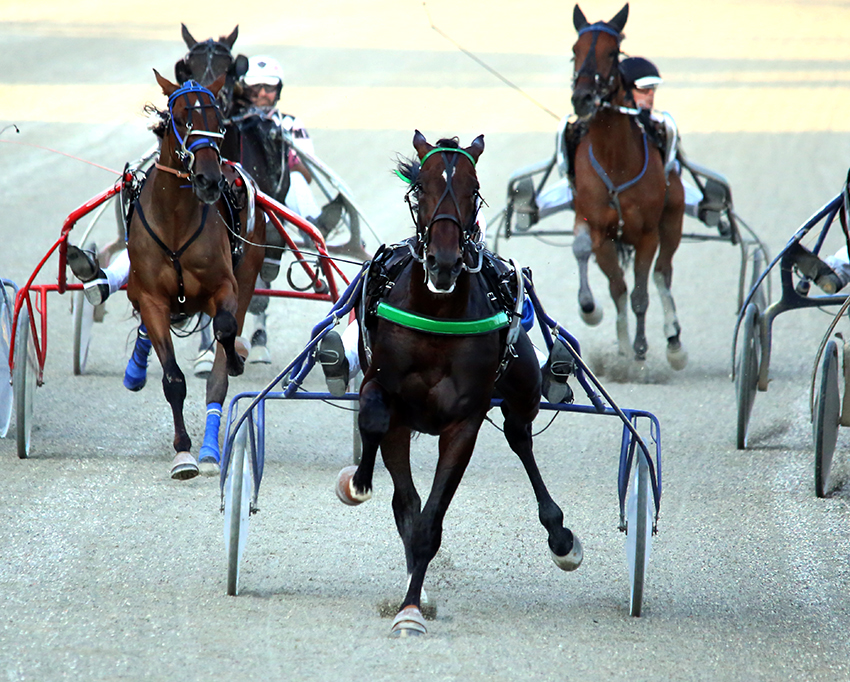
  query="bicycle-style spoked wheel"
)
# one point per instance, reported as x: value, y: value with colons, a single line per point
x: 747, y: 375
x: 238, y: 489
x: 24, y: 381
x: 6, y: 392
x: 638, y: 532
x: 826, y: 415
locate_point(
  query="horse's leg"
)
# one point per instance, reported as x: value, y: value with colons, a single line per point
x: 670, y: 233
x: 259, y: 352
x: 520, y: 392
x: 157, y: 318
x: 426, y: 528
x: 354, y: 483
x: 644, y: 253
x: 609, y: 262
x: 591, y: 314
x: 227, y: 361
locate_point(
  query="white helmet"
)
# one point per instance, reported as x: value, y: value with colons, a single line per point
x: 264, y: 70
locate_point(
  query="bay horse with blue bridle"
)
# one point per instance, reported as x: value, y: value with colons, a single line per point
x: 625, y: 202
x: 437, y: 348
x: 193, y: 244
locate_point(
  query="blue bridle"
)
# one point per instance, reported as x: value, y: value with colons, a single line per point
x: 205, y: 137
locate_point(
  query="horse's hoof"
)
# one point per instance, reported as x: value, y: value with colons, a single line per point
x: 209, y: 467
x: 677, y: 356
x: 592, y: 318
x: 408, y: 623
x: 204, y: 364
x: 259, y: 355
x: 572, y: 560
x: 243, y: 347
x: 184, y: 466
x: 345, y: 488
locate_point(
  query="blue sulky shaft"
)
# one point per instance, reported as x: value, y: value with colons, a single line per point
x: 301, y: 366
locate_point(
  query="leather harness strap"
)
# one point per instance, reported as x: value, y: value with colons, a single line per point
x: 175, y: 255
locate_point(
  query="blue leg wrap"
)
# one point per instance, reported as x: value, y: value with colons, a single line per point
x: 209, y: 450
x: 137, y: 368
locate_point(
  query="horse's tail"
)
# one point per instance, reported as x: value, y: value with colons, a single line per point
x: 625, y: 252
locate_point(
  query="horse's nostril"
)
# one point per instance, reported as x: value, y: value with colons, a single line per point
x: 431, y: 261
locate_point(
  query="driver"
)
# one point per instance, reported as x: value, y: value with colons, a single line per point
x: 641, y: 79
x: 260, y: 87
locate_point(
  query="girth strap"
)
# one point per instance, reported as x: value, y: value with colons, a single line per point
x: 614, y: 190
x: 175, y: 255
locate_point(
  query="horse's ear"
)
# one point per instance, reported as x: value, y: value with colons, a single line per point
x: 579, y: 20
x: 240, y: 66
x: 182, y: 72
x: 168, y: 88
x: 476, y: 148
x: 420, y: 144
x: 187, y: 37
x: 231, y: 38
x: 619, y: 21
x: 217, y: 84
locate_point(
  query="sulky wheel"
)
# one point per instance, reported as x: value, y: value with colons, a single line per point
x: 84, y: 314
x: 638, y: 533
x: 238, y: 487
x: 6, y: 393
x: 760, y: 299
x: 24, y: 380
x: 747, y: 374
x: 826, y: 414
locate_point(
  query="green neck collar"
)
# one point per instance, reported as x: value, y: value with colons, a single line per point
x: 431, y: 325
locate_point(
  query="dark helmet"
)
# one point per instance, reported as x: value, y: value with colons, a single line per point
x: 638, y: 72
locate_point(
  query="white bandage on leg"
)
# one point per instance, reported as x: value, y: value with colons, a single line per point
x: 118, y: 271
x: 350, y: 340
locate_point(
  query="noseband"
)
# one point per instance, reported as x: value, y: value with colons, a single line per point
x: 193, y: 94
x: 468, y: 230
x: 603, y: 89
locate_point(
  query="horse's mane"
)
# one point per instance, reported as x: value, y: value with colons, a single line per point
x: 408, y: 168
x: 158, y: 120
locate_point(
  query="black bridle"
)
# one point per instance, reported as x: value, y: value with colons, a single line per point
x: 206, y: 61
x: 604, y: 87
x: 469, y: 229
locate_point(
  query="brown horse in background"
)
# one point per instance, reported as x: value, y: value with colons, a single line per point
x: 183, y: 258
x: 623, y: 199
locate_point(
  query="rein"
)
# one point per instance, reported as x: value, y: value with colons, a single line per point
x: 182, y: 176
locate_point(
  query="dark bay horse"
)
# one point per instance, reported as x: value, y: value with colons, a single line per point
x: 441, y: 381
x: 184, y: 260
x: 623, y: 199
x: 207, y: 60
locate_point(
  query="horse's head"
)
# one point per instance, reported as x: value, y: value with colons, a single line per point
x: 445, y: 199
x: 207, y: 60
x: 596, y: 55
x: 192, y: 131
